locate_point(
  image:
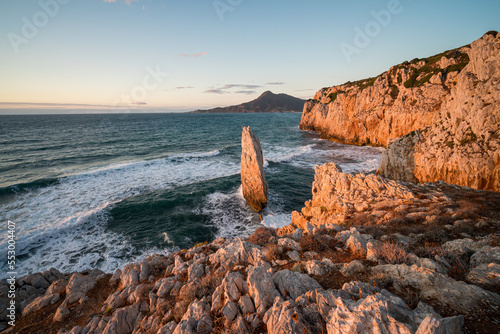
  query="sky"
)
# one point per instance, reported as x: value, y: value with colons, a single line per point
x: 169, y: 56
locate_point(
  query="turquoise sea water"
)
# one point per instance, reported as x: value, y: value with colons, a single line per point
x: 105, y: 190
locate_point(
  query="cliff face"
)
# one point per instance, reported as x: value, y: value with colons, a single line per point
x: 462, y: 145
x: 253, y: 180
x: 374, y: 111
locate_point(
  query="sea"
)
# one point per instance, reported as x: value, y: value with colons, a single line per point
x: 103, y: 190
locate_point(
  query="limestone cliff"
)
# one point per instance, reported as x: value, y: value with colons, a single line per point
x: 374, y: 111
x: 462, y: 145
x: 253, y: 180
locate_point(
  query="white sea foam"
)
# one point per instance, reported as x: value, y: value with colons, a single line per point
x: 281, y: 154
x: 63, y: 225
x: 277, y: 220
x: 230, y: 214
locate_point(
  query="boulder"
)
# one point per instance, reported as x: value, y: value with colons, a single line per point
x: 253, y: 180
x: 457, y: 295
x: 261, y: 288
x: 293, y: 284
x: 485, y: 275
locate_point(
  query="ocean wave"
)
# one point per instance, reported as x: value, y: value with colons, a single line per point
x: 230, y: 214
x: 48, y: 216
x: 28, y: 186
x: 278, y: 154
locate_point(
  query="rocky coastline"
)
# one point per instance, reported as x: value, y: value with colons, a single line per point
x: 366, y: 254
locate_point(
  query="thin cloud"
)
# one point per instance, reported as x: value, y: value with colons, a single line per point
x: 187, y: 87
x: 229, y: 86
x: 275, y: 83
x: 194, y: 55
x: 247, y: 92
x: 215, y: 91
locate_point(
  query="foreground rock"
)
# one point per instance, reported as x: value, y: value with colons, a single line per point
x: 237, y: 286
x: 462, y: 145
x: 253, y: 180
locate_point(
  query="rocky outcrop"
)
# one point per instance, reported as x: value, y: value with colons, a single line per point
x: 253, y: 180
x: 339, y: 197
x: 462, y: 145
x: 377, y: 110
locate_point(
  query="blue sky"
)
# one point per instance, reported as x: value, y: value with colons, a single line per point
x: 161, y: 55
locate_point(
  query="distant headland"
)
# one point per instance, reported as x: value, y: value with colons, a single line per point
x: 268, y: 102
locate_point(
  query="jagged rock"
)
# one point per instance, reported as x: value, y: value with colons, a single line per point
x: 246, y: 305
x: 76, y: 330
x: 485, y: 255
x: 293, y: 284
x: 460, y: 246
x: 283, y: 317
x: 230, y: 310
x: 318, y: 268
x: 291, y: 244
x: 79, y: 285
x: 429, y: 264
x: 461, y: 146
x: 431, y: 325
x: 352, y: 269
x: 57, y: 287
x: 116, y: 277
x: 253, y: 180
x: 233, y: 286
x: 179, y: 266
x: 238, y: 251
x: 40, y: 302
x: 130, y: 274
x: 457, y: 295
x: 337, y: 195
x: 196, y: 270
x: 196, y: 319
x: 61, y: 314
x: 123, y: 320
x: 293, y: 255
x: 485, y: 275
x: 168, y: 328
x: 164, y: 285
x: 239, y: 325
x: 261, y: 288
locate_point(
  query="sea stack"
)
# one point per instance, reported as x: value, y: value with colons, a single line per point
x: 253, y: 179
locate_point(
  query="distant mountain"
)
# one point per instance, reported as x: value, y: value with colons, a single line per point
x: 267, y: 102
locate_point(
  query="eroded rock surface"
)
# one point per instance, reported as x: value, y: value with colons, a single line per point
x: 253, y: 180
x: 462, y: 145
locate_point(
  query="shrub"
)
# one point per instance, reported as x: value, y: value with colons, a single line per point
x: 392, y: 253
x: 333, y: 96
x: 394, y: 92
x: 271, y: 252
x: 470, y: 137
x: 261, y: 236
x: 317, y: 243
